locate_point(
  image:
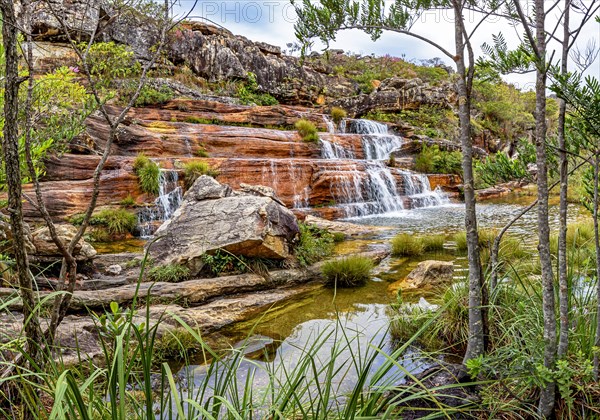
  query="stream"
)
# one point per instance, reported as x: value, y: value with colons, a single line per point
x: 280, y: 336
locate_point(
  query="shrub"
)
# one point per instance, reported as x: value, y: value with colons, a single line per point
x: 148, y: 173
x: 108, y: 61
x: 314, y: 244
x: 222, y: 261
x: 338, y: 114
x: 405, y: 244
x: 249, y: 93
x: 195, y: 169
x: 499, y: 168
x: 154, y: 96
x: 307, y: 131
x: 172, y: 273
x: 433, y: 160
x: 348, y: 272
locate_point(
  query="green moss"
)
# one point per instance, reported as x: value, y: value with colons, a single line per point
x: 307, y: 130
x: 348, y: 272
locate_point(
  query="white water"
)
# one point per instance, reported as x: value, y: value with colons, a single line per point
x: 367, y: 187
x: 170, y: 196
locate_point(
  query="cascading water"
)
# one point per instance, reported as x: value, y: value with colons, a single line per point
x: 170, y: 196
x: 369, y: 186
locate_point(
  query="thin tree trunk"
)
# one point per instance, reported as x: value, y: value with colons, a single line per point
x: 563, y: 292
x: 476, y: 343
x: 597, y: 244
x: 547, y: 395
x: 10, y: 151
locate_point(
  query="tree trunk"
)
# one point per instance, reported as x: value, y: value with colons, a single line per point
x: 10, y: 151
x: 547, y: 396
x: 563, y: 293
x: 476, y: 343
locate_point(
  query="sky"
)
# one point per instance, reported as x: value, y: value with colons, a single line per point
x: 272, y: 21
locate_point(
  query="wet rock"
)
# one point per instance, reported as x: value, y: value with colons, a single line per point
x: 212, y: 217
x: 430, y: 273
x: 349, y: 229
x: 46, y: 250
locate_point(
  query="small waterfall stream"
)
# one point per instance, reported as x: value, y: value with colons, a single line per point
x: 370, y: 186
x: 170, y: 196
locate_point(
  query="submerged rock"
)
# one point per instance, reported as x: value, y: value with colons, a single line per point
x: 213, y: 216
x: 430, y: 273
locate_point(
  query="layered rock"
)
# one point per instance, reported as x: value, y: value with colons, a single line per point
x: 397, y: 94
x: 213, y: 216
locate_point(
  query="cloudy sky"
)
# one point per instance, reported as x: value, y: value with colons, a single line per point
x: 272, y: 21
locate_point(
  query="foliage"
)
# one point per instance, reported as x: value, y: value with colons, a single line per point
x: 151, y: 95
x: 148, y: 173
x: 195, y: 169
x: 108, y: 61
x: 338, y: 114
x: 499, y: 168
x: 115, y: 221
x: 128, y: 201
x: 172, y: 273
x: 433, y: 160
x: 434, y: 242
x: 249, y: 93
x: 348, y: 271
x: 60, y: 106
x: 307, y: 130
x: 313, y: 245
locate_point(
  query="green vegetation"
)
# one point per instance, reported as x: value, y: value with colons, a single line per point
x: 108, y: 61
x: 348, y: 271
x: 128, y: 201
x: 431, y: 121
x: 314, y: 244
x: 338, y: 114
x: 432, y: 160
x: 499, y: 168
x: 195, y: 169
x: 148, y: 173
x: 249, y: 93
x: 369, y: 70
x: 114, y: 221
x: 172, y: 273
x: 152, y: 96
x: 406, y: 244
x: 307, y: 130
x: 486, y: 238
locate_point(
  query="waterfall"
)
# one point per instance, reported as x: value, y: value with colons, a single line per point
x: 170, y: 196
x: 367, y: 187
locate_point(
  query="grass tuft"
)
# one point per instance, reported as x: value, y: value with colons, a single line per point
x: 307, y: 130
x: 195, y: 169
x: 348, y: 272
x: 338, y: 114
x: 406, y: 244
x: 172, y: 273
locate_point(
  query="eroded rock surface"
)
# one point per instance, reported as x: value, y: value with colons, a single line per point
x: 213, y: 216
x: 46, y: 250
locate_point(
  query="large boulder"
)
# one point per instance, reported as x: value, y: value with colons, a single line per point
x: 46, y: 250
x: 430, y: 273
x: 213, y: 216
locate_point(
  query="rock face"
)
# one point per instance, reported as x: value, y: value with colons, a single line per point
x: 213, y: 216
x: 46, y: 250
x: 6, y: 236
x: 430, y: 273
x: 396, y: 94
